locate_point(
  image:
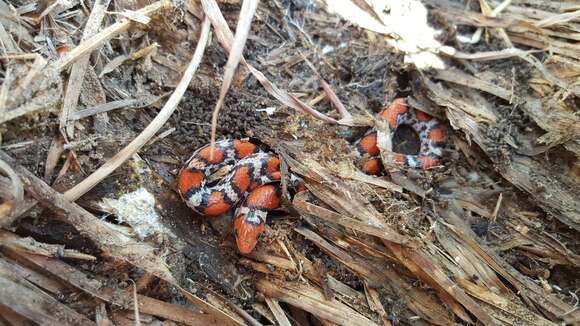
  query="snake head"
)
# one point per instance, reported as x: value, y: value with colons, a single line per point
x: 248, y: 228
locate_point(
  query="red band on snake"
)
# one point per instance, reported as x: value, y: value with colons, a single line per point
x: 249, y: 186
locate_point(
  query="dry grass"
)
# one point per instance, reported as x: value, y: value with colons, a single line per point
x: 407, y: 247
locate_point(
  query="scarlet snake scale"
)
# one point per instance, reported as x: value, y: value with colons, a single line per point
x: 250, y: 182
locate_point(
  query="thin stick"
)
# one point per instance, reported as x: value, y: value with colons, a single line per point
x: 136, y: 305
x: 161, y: 118
x: 242, y: 30
x: 344, y: 114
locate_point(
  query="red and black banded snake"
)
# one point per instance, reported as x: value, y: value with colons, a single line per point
x: 251, y: 188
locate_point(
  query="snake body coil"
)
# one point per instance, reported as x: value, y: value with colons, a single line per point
x: 250, y: 184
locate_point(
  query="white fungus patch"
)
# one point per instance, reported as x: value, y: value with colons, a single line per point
x: 137, y: 209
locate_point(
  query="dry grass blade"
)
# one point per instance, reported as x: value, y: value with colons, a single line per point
x: 29, y: 301
x: 307, y: 208
x: 120, y: 298
x: 52, y: 158
x: 102, y: 108
x: 428, y: 270
x: 528, y: 289
x: 489, y: 55
x: 559, y: 19
x: 525, y: 316
x: 278, y: 312
x: 353, y: 262
x: 152, y: 128
x: 136, y: 305
x: 224, y: 317
x: 77, y: 74
x: 110, y: 241
x: 97, y: 40
x: 242, y: 31
x: 226, y: 39
x: 346, y: 117
x: 339, y: 195
x: 311, y: 299
x: 336, y: 194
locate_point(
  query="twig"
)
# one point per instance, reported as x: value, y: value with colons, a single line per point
x: 242, y: 31
x: 158, y: 122
x: 346, y: 117
x: 136, y: 305
x: 105, y: 107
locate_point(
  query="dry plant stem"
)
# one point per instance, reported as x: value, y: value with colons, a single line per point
x: 345, y: 115
x: 158, y: 122
x: 97, y: 40
x: 41, y: 249
x: 501, y: 303
x: 113, y: 243
x: 122, y: 298
x: 110, y: 241
x: 75, y: 80
x: 558, y: 19
x: 244, y: 314
x: 488, y: 55
x: 311, y: 299
x: 242, y: 31
x: 224, y: 317
x: 136, y: 305
x: 306, y: 208
x: 226, y: 38
x: 278, y: 312
x: 33, y: 303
